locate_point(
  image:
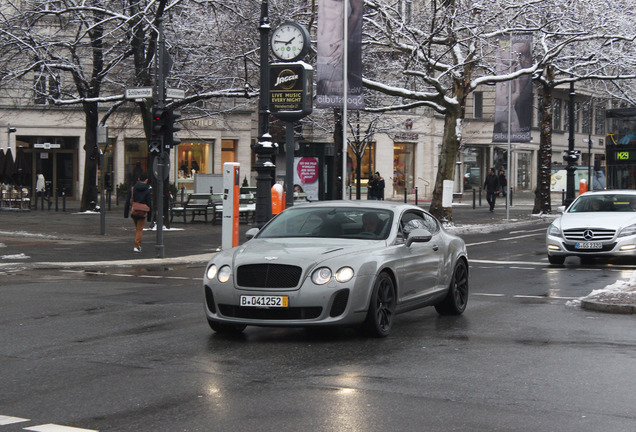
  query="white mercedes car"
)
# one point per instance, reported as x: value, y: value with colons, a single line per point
x: 596, y: 224
x: 348, y: 263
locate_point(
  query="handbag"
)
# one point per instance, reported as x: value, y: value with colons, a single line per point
x: 138, y: 209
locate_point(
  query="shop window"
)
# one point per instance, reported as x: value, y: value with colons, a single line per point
x: 135, y: 160
x: 403, y: 167
x: 228, y: 151
x: 599, y: 121
x: 367, y: 165
x: 193, y: 158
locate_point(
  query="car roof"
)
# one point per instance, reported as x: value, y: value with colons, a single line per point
x: 395, y: 206
x: 610, y: 192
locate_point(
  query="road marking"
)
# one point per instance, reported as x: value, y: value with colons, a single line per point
x: 7, y: 420
x: 56, y: 428
x: 488, y: 295
x: 481, y: 243
x: 529, y: 231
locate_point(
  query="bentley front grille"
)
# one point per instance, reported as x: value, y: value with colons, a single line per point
x: 268, y: 276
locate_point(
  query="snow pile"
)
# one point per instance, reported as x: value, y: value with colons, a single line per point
x: 622, y: 292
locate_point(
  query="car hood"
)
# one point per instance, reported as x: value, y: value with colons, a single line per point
x: 611, y: 220
x: 300, y: 251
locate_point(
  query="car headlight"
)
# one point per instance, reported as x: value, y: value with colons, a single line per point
x: 554, y: 231
x: 224, y: 274
x: 628, y: 231
x: 344, y: 274
x: 321, y: 276
x: 211, y: 272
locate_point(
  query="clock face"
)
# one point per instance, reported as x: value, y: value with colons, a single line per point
x: 289, y: 41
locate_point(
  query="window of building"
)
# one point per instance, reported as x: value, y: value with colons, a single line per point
x: 228, y: 151
x: 577, y: 114
x: 586, y: 120
x: 367, y: 165
x: 403, y: 167
x: 135, y: 159
x: 599, y: 120
x: 478, y: 104
x: 556, y: 114
x: 194, y: 158
x: 45, y: 87
x: 406, y: 10
x: 566, y: 115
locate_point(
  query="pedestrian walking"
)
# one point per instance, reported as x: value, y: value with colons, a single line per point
x: 379, y: 186
x: 492, y: 188
x: 138, y: 202
x: 503, y: 182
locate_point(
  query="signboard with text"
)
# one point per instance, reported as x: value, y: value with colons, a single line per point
x: 290, y: 90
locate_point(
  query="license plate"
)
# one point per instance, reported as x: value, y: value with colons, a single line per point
x: 589, y: 245
x: 265, y: 301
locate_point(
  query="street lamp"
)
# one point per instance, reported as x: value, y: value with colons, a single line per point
x: 264, y: 147
x: 572, y: 156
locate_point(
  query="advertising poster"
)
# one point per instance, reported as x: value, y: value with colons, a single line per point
x: 330, y: 61
x: 306, y: 171
x: 519, y: 108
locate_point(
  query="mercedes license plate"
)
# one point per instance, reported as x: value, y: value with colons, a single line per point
x: 589, y: 245
x: 264, y: 301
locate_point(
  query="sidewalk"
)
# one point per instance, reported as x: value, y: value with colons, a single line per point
x: 42, y: 239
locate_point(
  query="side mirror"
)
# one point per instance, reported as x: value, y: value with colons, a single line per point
x: 560, y: 209
x: 251, y: 233
x: 419, y: 235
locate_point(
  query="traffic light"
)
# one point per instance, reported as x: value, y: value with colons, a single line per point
x: 158, y: 121
x: 172, y: 127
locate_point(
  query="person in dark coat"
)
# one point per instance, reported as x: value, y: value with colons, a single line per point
x: 492, y: 188
x: 502, y: 181
x: 371, y: 188
x: 141, y: 193
x: 379, y: 186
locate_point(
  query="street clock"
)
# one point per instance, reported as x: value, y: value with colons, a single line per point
x: 290, y: 41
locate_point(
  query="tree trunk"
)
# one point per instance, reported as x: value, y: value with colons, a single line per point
x: 89, y: 193
x: 447, y: 159
x: 542, y: 197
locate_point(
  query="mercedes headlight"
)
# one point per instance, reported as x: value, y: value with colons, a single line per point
x: 554, y: 231
x: 628, y: 231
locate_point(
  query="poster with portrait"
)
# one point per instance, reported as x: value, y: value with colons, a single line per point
x: 513, y: 99
x: 330, y: 58
x: 306, y: 171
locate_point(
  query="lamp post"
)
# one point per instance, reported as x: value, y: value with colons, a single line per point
x: 571, y: 156
x: 264, y: 147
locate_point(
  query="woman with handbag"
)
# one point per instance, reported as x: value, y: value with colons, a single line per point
x: 139, y: 206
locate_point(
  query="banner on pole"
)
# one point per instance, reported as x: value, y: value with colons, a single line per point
x: 518, y: 109
x: 330, y: 62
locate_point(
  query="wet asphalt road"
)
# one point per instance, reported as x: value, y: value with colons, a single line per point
x: 129, y: 350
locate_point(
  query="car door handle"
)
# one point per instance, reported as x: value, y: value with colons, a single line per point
x: 435, y: 247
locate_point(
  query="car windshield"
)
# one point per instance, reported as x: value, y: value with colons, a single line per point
x: 338, y: 222
x: 604, y: 203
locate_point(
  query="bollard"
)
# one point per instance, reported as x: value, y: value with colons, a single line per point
x: 405, y: 196
x: 510, y: 192
x: 63, y: 201
x: 56, y: 203
x: 479, y: 197
x: 416, y: 193
x: 474, y: 197
x: 562, y: 197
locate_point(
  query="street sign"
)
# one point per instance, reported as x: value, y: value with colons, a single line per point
x: 173, y: 93
x: 46, y: 146
x: 139, y: 93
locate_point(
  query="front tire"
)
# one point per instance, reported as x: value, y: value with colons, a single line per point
x: 457, y: 298
x: 382, y: 307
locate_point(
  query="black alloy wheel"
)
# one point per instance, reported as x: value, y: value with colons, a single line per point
x: 457, y: 298
x: 382, y: 307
